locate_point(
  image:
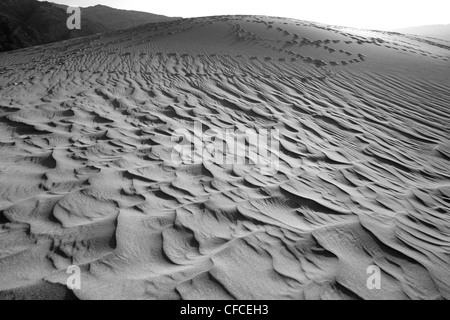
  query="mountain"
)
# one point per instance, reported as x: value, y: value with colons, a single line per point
x: 228, y: 157
x: 107, y: 19
x: 439, y: 31
x: 25, y: 23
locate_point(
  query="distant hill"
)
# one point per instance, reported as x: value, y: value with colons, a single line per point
x: 440, y: 31
x: 25, y: 23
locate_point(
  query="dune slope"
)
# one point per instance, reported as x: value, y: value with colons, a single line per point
x: 438, y: 31
x: 87, y: 176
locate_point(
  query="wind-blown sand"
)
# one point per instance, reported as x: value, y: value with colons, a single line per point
x: 86, y: 176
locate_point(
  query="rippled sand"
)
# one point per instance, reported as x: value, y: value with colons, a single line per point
x: 87, y: 177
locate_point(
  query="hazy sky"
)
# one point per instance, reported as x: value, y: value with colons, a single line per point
x: 373, y: 14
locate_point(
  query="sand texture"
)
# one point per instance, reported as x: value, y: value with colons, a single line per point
x: 87, y: 177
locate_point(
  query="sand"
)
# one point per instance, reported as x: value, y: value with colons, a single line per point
x: 87, y: 177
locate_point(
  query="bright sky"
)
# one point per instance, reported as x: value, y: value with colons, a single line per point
x: 369, y: 14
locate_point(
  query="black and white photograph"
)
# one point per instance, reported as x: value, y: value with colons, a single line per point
x: 224, y: 150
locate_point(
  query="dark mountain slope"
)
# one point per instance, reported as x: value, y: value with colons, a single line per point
x: 25, y: 23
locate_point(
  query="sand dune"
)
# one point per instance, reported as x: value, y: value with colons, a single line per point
x: 87, y: 177
x: 440, y: 32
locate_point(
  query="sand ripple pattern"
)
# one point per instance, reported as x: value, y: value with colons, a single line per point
x: 86, y: 175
